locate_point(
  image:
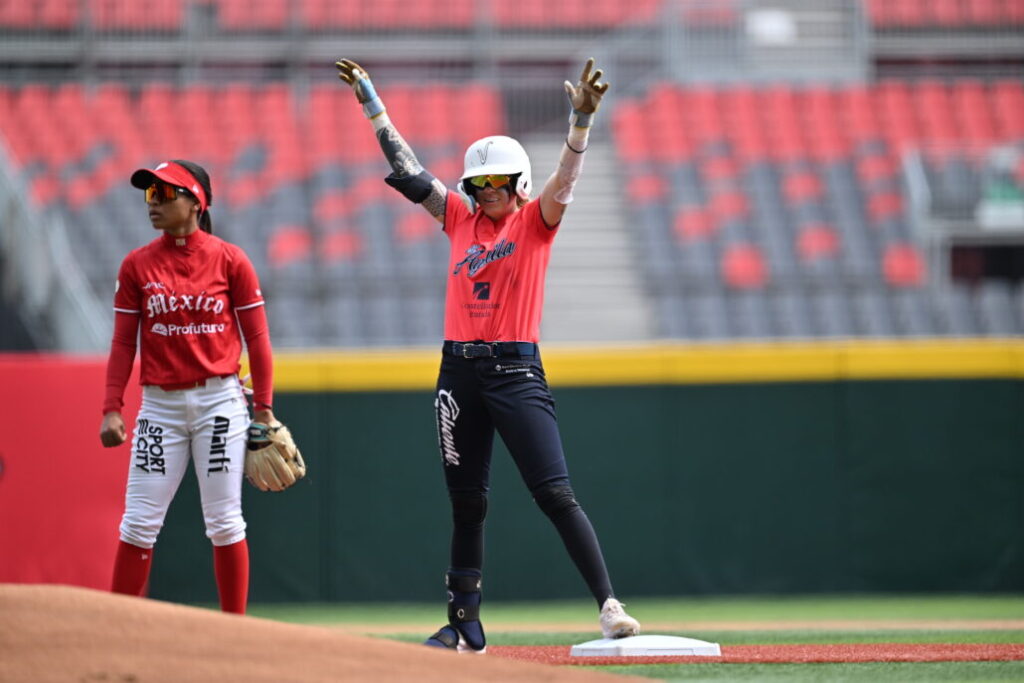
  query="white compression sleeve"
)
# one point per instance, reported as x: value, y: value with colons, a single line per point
x: 570, y: 163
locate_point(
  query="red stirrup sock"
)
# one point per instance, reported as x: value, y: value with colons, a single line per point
x: 131, y: 569
x: 231, y: 567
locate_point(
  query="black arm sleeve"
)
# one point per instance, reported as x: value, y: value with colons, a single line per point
x: 415, y: 188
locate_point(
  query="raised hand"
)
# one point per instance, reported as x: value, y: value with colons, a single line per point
x: 356, y: 76
x: 586, y: 95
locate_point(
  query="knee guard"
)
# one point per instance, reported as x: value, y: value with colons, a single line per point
x: 415, y: 188
x: 464, y: 632
x: 556, y: 501
x: 468, y: 509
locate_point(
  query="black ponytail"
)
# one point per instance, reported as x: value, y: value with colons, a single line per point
x: 200, y: 174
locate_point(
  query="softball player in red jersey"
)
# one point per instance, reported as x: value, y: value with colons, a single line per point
x: 189, y: 297
x: 491, y: 377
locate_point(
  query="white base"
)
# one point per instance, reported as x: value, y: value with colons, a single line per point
x: 646, y: 646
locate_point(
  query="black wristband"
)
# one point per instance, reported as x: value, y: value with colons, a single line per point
x: 578, y: 151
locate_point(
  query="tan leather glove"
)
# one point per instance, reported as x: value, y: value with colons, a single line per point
x: 585, y: 96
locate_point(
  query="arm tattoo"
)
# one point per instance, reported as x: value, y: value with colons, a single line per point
x: 401, y: 157
x: 435, y: 201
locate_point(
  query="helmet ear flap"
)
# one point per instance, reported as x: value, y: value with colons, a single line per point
x: 523, y: 185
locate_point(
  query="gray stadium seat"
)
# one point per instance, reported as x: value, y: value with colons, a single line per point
x: 995, y: 303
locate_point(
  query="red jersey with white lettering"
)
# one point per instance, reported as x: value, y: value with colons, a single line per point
x: 186, y: 291
x: 496, y: 273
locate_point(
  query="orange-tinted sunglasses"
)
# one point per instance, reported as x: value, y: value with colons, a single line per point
x: 494, y: 180
x: 163, y: 192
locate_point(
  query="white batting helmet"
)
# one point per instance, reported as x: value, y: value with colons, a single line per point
x: 502, y: 155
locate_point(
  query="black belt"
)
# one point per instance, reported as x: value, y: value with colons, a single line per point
x: 490, y: 349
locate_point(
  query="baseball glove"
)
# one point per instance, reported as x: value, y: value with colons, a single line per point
x: 272, y: 460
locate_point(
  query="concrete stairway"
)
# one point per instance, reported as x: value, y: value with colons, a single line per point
x: 594, y: 292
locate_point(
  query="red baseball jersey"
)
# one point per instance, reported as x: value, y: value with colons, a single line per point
x: 496, y: 273
x: 186, y: 291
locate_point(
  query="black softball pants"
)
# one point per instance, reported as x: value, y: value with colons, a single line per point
x: 509, y: 394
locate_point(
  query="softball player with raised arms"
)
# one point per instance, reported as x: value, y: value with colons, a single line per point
x: 189, y: 298
x: 491, y: 376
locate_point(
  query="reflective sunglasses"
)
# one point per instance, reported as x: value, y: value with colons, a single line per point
x: 164, y: 192
x: 494, y: 180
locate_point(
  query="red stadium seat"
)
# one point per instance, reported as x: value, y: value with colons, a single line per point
x: 165, y: 15
x: 701, y: 14
x: 817, y: 241
x: 801, y: 186
x: 896, y: 110
x: 983, y: 12
x: 17, y: 14
x: 934, y: 110
x: 630, y: 133
x: 878, y: 12
x: 289, y: 244
x: 331, y: 206
x: 340, y: 245
x: 904, y: 266
x: 875, y: 167
x: 252, y: 15
x: 315, y: 15
x: 730, y: 204
x: 416, y: 225
x: 646, y: 188
x: 1013, y: 12
x: 970, y: 108
x: 945, y: 12
x: 718, y: 169
x: 694, y: 223
x: 477, y: 113
x: 1008, y: 101
x: 884, y: 205
x: 56, y: 14
x: 743, y: 267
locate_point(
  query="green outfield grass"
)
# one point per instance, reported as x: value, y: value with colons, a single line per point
x: 729, y: 621
x: 722, y: 609
x: 974, y: 672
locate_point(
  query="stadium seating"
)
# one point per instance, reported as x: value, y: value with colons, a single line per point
x: 760, y: 211
x: 947, y: 14
x: 794, y: 197
x: 297, y: 182
x: 269, y: 16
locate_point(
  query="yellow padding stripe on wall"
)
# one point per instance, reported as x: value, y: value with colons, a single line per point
x: 641, y: 364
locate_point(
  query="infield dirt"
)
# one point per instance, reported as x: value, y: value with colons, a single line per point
x: 63, y: 633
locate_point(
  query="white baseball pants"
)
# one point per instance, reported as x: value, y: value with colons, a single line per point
x: 206, y: 425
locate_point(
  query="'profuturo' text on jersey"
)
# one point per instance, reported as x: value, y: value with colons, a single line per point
x: 186, y: 291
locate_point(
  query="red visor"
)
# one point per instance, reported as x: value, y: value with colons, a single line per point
x: 172, y: 174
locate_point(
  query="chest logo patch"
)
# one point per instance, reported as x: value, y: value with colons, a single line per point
x: 477, y: 257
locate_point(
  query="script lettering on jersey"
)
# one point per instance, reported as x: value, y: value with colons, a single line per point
x: 477, y: 257
x: 218, y: 446
x: 447, y: 411
x: 149, y: 448
x: 161, y: 303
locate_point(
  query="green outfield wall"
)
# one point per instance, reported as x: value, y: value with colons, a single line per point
x: 706, y: 470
